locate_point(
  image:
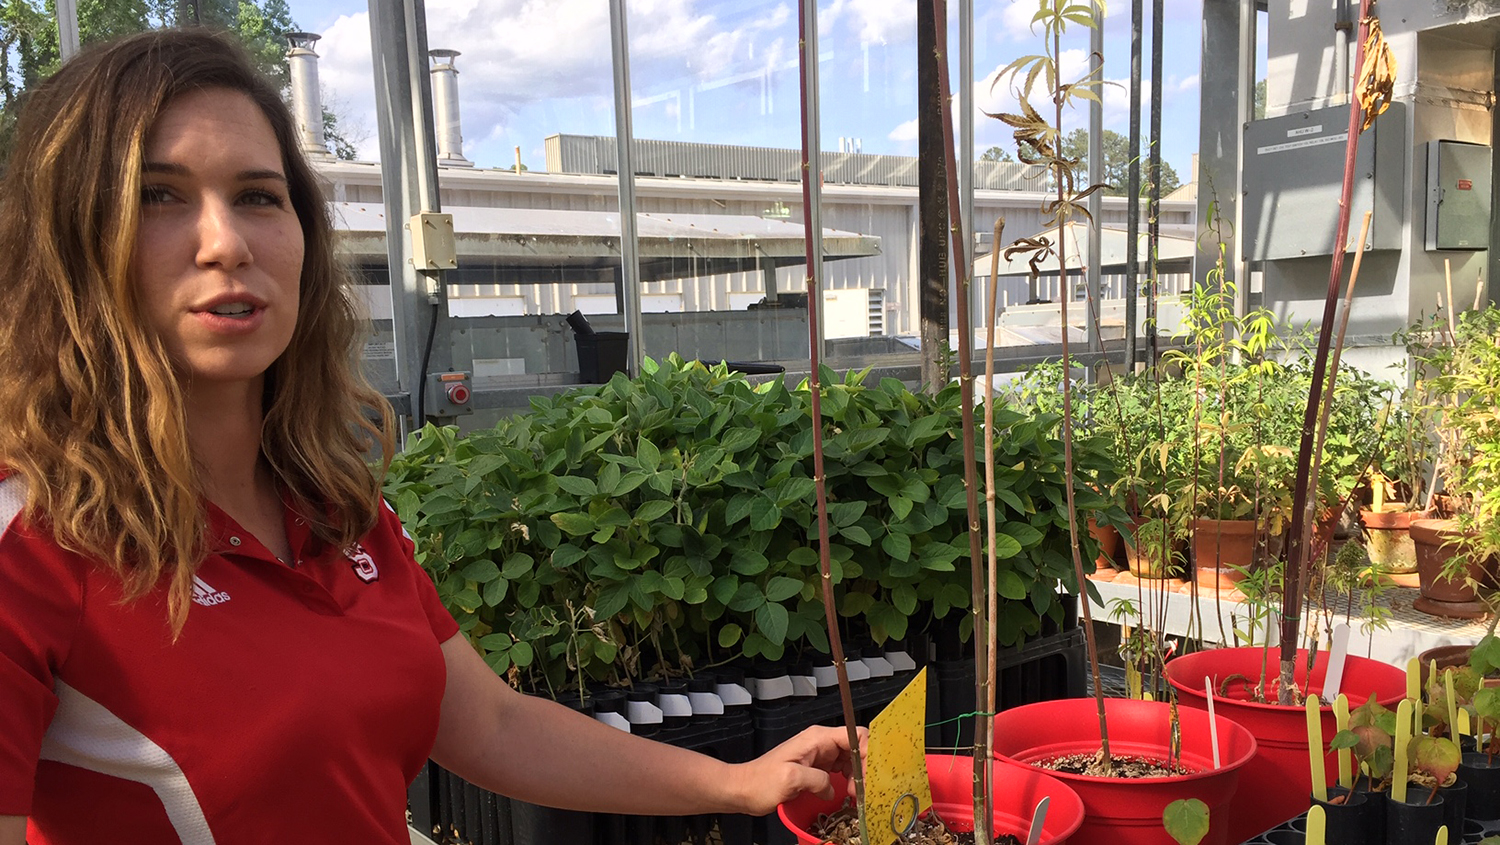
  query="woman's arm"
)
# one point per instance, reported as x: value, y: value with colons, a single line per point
x: 544, y: 753
x: 12, y: 830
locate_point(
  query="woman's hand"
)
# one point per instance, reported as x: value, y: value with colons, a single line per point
x: 801, y: 764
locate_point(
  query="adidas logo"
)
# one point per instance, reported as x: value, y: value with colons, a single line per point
x: 206, y: 595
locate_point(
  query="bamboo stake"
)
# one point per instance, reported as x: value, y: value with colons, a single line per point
x: 1292, y: 596
x: 989, y: 504
x: 957, y: 239
x: 1452, y: 304
x: 835, y: 643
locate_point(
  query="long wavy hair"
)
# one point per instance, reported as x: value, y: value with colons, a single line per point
x: 91, y: 409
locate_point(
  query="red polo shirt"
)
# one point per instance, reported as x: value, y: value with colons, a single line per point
x: 298, y: 704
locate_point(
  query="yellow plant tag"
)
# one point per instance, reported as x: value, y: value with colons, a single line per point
x: 896, y: 788
x: 1319, y: 769
x: 1317, y: 825
x: 1346, y: 757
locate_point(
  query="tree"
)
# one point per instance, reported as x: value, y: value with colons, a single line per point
x: 996, y: 154
x: 29, y: 46
x: 1117, y: 162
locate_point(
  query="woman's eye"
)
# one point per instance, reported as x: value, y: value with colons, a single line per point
x: 266, y: 198
x: 152, y: 194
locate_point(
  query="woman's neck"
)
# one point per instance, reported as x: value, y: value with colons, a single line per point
x: 224, y: 423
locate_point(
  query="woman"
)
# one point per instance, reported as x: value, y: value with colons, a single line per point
x: 211, y: 628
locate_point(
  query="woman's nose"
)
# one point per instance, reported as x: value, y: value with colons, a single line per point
x: 221, y: 241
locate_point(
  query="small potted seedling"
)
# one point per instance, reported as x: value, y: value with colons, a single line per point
x: 1347, y: 813
x: 1479, y: 768
x: 1415, y: 814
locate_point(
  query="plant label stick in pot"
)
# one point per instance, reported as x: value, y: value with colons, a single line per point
x: 1452, y: 703
x: 1315, y: 749
x: 1213, y: 724
x: 1346, y: 757
x: 1334, y: 680
x: 1317, y: 825
x: 1403, y: 737
x: 1442, y: 837
x: 1414, y: 679
x: 1034, y: 835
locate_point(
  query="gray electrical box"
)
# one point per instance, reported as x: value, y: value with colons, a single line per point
x: 1458, y: 195
x: 1294, y: 167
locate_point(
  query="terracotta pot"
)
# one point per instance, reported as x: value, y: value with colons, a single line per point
x: 1223, y: 543
x: 1148, y: 566
x: 1017, y: 791
x: 1108, y: 538
x: 1388, y: 540
x: 1277, y: 783
x: 1449, y: 657
x: 1435, y: 541
x: 1217, y: 578
x: 1122, y: 811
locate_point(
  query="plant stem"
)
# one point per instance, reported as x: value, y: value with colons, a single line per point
x: 956, y: 237
x: 1083, y: 593
x: 835, y: 643
x: 989, y: 502
x: 1291, y: 599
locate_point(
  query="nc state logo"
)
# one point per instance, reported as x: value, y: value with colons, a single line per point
x: 364, y: 565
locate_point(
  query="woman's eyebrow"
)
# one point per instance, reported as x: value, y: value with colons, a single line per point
x: 174, y: 169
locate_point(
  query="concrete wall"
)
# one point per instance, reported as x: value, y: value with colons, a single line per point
x: 1444, y: 52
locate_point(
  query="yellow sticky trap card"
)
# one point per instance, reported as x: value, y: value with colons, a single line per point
x: 896, y: 788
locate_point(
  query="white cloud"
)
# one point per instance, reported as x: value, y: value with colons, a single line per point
x: 1189, y: 83
x: 905, y: 132
x: 518, y: 52
x: 875, y: 21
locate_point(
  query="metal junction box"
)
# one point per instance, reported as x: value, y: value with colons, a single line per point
x: 1458, y: 195
x: 1293, y: 169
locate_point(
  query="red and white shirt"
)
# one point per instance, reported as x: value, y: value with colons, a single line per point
x: 297, y: 705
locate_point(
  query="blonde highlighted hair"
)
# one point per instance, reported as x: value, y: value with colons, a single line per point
x: 91, y: 413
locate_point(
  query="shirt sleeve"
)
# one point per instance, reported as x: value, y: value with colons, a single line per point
x: 442, y: 622
x: 41, y: 601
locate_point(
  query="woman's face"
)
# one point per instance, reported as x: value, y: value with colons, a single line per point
x: 219, y: 254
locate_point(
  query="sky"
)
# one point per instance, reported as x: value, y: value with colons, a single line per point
x: 725, y: 71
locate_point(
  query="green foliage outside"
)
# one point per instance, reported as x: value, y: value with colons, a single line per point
x: 1075, y: 145
x: 30, y: 52
x: 668, y: 523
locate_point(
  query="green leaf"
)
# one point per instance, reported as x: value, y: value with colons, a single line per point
x: 729, y: 635
x: 748, y: 597
x: 494, y: 592
x: 1006, y: 546
x: 574, y: 523
x: 1186, y: 820
x: 901, y: 506
x: 739, y: 507
x: 648, y: 455
x: 1010, y: 585
x: 904, y: 599
x: 843, y: 514
x: 771, y: 621
x: 612, y: 600
x: 739, y: 439
x: 653, y: 510
x: 495, y: 642
x: 566, y: 555
x: 518, y: 566
x: 748, y: 562
x: 898, y: 546
x: 782, y: 588
x: 578, y: 485
x: 482, y: 571
x: 855, y: 534
x: 764, y: 514
x: 521, y: 654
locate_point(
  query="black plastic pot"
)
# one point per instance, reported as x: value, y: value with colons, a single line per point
x: 1414, y: 821
x: 1356, y: 820
x: 1484, y: 786
x: 1375, y: 799
x: 1455, y: 801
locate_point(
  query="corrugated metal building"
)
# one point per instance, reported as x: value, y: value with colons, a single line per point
x: 868, y: 194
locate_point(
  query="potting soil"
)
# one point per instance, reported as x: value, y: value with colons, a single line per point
x: 1130, y: 768
x: 842, y: 828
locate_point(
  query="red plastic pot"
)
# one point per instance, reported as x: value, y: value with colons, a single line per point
x: 1128, y: 812
x: 1277, y: 783
x: 1017, y: 791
